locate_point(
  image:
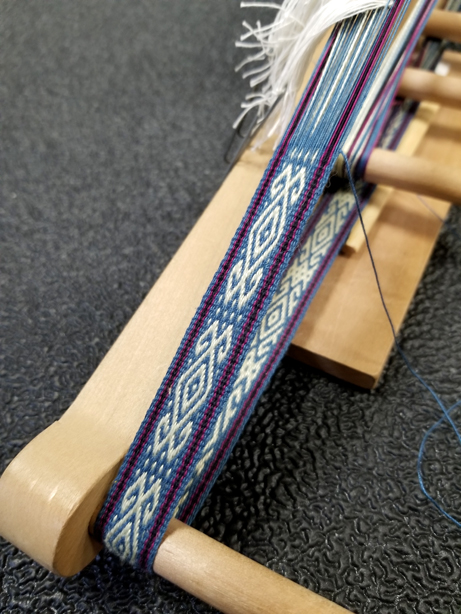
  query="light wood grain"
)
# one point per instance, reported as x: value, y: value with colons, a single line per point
x: 408, y: 145
x: 345, y: 331
x: 51, y: 492
x: 52, y: 488
x: 414, y: 174
x: 229, y: 581
x: 418, y: 84
x: 444, y: 24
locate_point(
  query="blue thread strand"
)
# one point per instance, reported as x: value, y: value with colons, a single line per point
x: 420, y: 469
x: 448, y: 226
x: 446, y: 413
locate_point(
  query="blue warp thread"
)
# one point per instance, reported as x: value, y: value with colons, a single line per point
x: 249, y: 313
x: 155, y: 483
x: 200, y: 407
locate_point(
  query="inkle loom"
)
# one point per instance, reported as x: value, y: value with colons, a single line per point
x: 260, y: 292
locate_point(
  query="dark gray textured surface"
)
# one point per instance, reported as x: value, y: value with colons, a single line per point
x: 114, y: 117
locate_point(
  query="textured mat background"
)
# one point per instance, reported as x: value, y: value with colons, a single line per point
x: 114, y: 118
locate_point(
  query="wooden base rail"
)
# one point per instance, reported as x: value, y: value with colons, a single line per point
x: 51, y: 491
x: 345, y: 331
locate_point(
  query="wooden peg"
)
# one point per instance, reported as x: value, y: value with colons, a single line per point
x: 414, y: 175
x: 409, y: 143
x: 418, y: 84
x: 444, y: 24
x: 229, y: 581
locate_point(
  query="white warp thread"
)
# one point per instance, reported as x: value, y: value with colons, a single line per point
x: 284, y: 50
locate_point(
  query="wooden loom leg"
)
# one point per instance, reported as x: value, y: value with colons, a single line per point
x: 207, y: 569
x: 50, y: 492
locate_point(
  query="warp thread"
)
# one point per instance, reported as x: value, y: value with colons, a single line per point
x: 249, y: 313
x: 284, y: 49
x: 200, y: 407
x: 376, y: 110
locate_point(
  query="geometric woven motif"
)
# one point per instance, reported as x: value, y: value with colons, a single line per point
x: 251, y: 308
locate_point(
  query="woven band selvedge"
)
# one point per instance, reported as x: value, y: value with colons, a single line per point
x: 188, y: 414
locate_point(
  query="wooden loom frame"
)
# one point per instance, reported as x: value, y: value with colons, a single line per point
x: 59, y: 539
x: 351, y: 338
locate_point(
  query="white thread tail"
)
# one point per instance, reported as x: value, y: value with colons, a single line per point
x: 283, y: 51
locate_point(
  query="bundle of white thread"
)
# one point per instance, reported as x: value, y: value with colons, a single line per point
x: 283, y: 51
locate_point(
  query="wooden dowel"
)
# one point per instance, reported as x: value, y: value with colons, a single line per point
x: 414, y: 175
x: 444, y: 24
x: 408, y: 146
x: 418, y: 84
x: 228, y: 581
